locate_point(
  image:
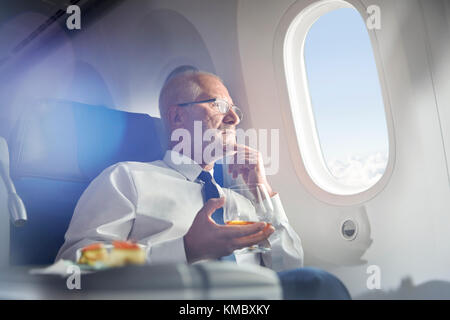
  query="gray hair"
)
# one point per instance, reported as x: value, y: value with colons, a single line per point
x: 181, y: 84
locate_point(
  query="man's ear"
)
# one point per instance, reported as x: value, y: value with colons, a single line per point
x: 176, y: 116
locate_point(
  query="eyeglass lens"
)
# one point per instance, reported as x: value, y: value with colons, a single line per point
x: 223, y: 108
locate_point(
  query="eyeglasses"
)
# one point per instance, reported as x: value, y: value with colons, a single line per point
x: 222, y: 105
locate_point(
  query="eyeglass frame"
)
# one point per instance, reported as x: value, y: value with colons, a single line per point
x: 229, y: 106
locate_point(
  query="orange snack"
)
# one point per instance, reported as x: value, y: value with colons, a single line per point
x: 125, y: 245
x: 126, y: 252
x: 93, y: 246
x: 93, y: 254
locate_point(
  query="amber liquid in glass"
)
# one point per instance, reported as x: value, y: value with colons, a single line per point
x: 243, y: 223
x: 254, y: 248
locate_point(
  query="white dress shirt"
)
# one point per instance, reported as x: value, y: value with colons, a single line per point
x: 155, y: 204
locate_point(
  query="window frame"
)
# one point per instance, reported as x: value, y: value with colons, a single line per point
x: 297, y: 112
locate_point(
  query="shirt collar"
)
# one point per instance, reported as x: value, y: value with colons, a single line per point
x: 184, y: 165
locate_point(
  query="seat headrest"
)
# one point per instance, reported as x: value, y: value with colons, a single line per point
x: 67, y: 140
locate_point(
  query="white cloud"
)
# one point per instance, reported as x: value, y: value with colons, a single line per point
x: 359, y: 171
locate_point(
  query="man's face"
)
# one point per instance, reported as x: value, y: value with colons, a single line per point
x: 209, y: 115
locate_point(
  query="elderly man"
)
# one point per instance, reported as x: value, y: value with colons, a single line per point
x: 174, y: 206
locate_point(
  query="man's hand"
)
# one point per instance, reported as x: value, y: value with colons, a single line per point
x: 208, y: 240
x: 248, y: 162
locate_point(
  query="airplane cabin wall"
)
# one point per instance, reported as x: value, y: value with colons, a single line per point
x: 406, y: 229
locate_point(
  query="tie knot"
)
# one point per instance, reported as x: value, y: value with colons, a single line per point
x: 205, y: 176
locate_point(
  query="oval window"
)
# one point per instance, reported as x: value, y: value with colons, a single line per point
x: 345, y: 98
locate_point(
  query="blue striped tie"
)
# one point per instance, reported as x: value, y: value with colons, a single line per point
x: 211, y: 191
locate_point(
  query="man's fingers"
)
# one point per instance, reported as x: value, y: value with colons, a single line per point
x: 243, y: 160
x: 212, y: 205
x: 253, y: 239
x: 242, y: 148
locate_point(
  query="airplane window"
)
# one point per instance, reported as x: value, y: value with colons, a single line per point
x: 346, y: 99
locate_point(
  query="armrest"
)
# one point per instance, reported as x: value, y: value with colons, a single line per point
x: 206, y: 280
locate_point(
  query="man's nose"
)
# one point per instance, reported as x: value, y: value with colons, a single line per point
x: 231, y: 118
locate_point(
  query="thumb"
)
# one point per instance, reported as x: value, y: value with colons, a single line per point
x: 212, y: 205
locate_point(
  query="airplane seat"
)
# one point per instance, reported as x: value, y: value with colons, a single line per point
x: 56, y: 149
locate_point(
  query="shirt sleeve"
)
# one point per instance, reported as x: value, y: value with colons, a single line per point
x: 169, y: 251
x: 107, y: 211
x: 287, y: 251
